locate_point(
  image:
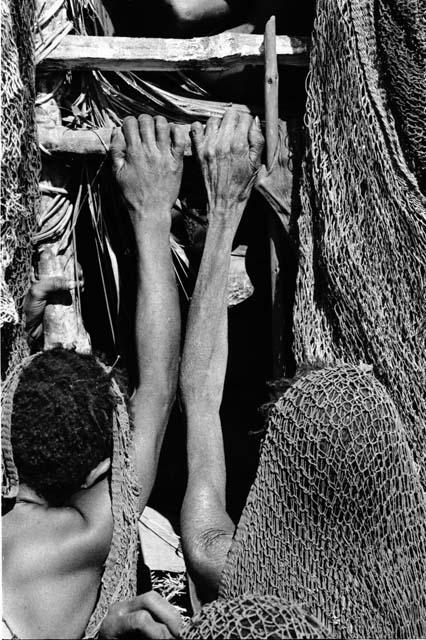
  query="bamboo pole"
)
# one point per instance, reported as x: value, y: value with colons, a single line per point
x: 271, y: 137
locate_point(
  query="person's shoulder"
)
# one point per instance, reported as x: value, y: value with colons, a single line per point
x: 38, y: 539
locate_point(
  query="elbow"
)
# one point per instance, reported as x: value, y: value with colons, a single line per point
x: 202, y: 567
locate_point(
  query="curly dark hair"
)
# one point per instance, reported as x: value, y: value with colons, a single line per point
x: 61, y: 422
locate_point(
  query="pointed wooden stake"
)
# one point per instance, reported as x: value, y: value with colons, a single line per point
x: 271, y: 136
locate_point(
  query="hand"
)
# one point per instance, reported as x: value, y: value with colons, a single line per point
x: 146, y: 616
x: 276, y: 185
x: 229, y: 153
x: 41, y: 289
x: 147, y: 162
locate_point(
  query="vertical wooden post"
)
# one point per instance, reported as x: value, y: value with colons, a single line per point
x: 62, y: 321
x: 271, y: 136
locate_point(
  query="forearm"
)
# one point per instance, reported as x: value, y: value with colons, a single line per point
x: 204, y: 361
x: 207, y: 529
x: 157, y: 325
x: 203, y: 368
x: 157, y: 337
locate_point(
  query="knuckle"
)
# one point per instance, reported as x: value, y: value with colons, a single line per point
x: 238, y: 146
x: 223, y: 150
x: 210, y: 153
x: 196, y: 128
x: 142, y: 616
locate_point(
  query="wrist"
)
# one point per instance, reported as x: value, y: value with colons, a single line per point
x: 226, y: 211
x: 151, y: 217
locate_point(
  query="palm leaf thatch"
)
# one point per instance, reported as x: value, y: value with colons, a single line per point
x: 91, y: 99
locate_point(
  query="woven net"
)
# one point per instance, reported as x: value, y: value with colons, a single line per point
x: 20, y: 169
x: 253, y: 616
x: 336, y: 518
x: 119, y: 576
x: 401, y: 40
x: 362, y: 272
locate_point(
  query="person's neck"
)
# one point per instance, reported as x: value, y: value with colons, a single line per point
x: 28, y: 495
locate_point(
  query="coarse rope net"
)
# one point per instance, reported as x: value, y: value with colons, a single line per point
x: 20, y: 170
x: 119, y: 576
x: 253, y: 616
x: 361, y: 283
x: 401, y: 41
x: 336, y: 518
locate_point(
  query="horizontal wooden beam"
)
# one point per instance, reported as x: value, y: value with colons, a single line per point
x: 54, y: 140
x: 213, y: 53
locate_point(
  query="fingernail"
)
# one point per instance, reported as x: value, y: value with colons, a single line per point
x: 72, y: 284
x: 257, y: 121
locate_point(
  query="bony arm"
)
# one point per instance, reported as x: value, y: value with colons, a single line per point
x: 147, y: 157
x: 41, y: 289
x: 229, y: 155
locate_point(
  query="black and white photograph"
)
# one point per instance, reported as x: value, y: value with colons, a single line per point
x: 213, y: 319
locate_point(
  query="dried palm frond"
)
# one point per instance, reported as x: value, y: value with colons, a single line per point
x: 92, y: 99
x: 174, y: 588
x: 46, y: 40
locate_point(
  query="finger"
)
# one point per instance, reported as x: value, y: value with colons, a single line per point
x: 178, y: 136
x: 147, y: 130
x: 143, y: 622
x: 228, y: 125
x: 160, y: 608
x: 212, y: 127
x: 162, y: 133
x: 240, y: 139
x: 131, y: 133
x: 256, y: 142
x: 117, y: 148
x: 211, y: 137
x: 59, y: 283
x: 197, y: 137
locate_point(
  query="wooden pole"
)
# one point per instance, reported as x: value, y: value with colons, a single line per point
x: 62, y: 322
x: 271, y: 136
x: 271, y: 92
x: 210, y: 53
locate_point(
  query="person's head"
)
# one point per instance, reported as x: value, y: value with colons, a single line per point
x: 62, y: 419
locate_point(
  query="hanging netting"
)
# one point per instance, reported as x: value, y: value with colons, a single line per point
x: 361, y: 283
x: 20, y: 169
x: 401, y: 41
x: 253, y: 616
x: 335, y: 520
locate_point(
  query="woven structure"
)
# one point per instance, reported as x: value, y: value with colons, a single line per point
x: 401, y: 40
x: 253, y: 616
x: 119, y: 576
x: 20, y: 169
x: 336, y: 518
x: 361, y: 285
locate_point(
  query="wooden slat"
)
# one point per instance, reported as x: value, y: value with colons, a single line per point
x: 84, y: 142
x: 212, y: 53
